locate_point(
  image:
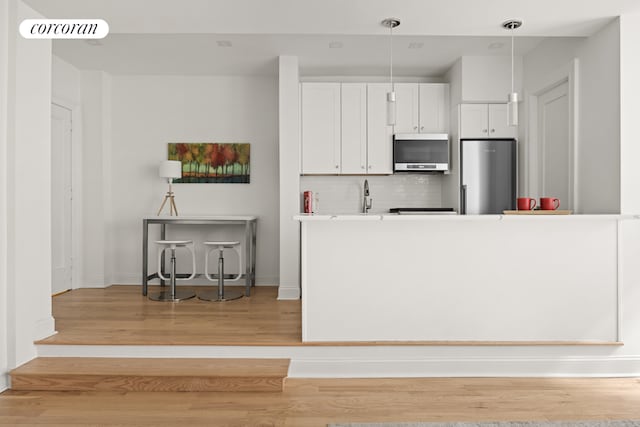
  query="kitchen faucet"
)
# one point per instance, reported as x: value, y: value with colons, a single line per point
x: 366, y: 201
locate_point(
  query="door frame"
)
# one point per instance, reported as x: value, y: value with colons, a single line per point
x: 565, y: 74
x: 76, y: 189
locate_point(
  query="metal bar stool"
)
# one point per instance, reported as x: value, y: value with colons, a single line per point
x: 220, y: 294
x: 173, y: 294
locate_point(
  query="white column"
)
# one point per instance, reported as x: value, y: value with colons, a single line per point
x: 4, y: 57
x: 25, y: 207
x: 289, y: 162
x: 96, y: 184
x: 629, y: 113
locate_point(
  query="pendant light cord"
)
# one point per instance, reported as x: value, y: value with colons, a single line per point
x: 391, y: 56
x: 512, y: 74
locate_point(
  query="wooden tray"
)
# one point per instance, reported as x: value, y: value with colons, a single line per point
x: 538, y: 212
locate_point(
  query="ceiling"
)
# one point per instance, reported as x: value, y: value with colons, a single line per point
x: 199, y: 54
x: 181, y: 36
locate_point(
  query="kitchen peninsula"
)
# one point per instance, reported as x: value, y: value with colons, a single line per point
x: 462, y: 278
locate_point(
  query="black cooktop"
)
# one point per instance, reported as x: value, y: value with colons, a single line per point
x: 398, y: 210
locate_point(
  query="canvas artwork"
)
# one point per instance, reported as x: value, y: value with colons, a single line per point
x: 212, y: 162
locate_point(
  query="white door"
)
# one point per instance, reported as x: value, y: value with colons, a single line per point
x: 554, y: 148
x: 434, y: 107
x: 379, y: 134
x: 498, y: 126
x: 60, y: 199
x: 354, y: 128
x: 406, y: 108
x: 474, y: 121
x: 321, y: 128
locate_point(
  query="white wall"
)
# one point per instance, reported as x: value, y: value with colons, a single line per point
x: 65, y: 82
x: 4, y: 306
x: 95, y: 107
x: 25, y: 225
x: 488, y: 78
x: 598, y: 110
x: 599, y: 127
x: 451, y: 182
x: 289, y: 176
x: 630, y: 112
x: 344, y: 194
x: 148, y: 112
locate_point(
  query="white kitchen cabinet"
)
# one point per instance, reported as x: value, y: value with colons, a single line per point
x: 321, y: 128
x: 379, y: 134
x: 422, y: 108
x: 485, y: 121
x: 354, y: 128
x: 407, y: 107
x: 344, y: 129
x: 434, y: 108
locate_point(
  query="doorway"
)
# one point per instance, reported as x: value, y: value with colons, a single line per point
x: 552, y: 131
x: 553, y: 145
x: 61, y: 199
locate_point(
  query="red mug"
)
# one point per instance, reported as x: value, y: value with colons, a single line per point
x: 524, y: 203
x: 549, y: 203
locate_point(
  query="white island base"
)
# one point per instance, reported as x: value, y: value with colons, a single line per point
x: 443, y: 279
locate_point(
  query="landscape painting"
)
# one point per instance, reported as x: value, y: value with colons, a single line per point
x: 211, y: 162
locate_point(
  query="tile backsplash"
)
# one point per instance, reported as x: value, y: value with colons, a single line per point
x: 343, y: 194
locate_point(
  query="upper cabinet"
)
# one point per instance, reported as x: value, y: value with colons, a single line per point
x: 321, y: 128
x: 344, y: 125
x: 354, y: 128
x: 407, y: 110
x: 434, y: 107
x: 485, y: 121
x: 379, y: 133
x: 422, y: 107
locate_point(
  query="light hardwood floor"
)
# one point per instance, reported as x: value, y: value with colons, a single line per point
x: 307, y: 402
x: 120, y: 315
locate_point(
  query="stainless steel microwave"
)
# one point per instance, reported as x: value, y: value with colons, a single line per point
x: 421, y: 152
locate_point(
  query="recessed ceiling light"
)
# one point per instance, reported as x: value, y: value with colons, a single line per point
x: 335, y: 45
x: 496, y: 45
x: 93, y: 42
x: 416, y: 45
x: 224, y: 43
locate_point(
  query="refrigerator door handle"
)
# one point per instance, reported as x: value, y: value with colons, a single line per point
x: 463, y: 196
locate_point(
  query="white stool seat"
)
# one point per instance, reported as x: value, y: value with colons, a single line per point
x: 174, y: 242
x: 173, y: 294
x: 219, y: 294
x: 223, y: 244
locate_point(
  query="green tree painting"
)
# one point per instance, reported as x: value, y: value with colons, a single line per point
x: 212, y: 162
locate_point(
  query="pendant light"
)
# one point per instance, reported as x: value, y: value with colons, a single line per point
x: 512, y: 99
x: 391, y: 23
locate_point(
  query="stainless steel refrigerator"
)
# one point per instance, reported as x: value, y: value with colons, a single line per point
x: 488, y: 169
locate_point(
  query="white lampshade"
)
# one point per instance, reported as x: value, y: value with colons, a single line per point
x: 170, y: 169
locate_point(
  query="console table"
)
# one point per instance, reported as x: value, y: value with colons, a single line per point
x: 250, y: 224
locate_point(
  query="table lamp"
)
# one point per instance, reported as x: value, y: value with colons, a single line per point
x: 170, y: 169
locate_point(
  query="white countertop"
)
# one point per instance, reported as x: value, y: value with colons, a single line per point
x: 435, y: 217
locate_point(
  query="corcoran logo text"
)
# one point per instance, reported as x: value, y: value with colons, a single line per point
x: 64, y: 28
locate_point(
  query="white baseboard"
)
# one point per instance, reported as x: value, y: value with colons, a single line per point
x: 44, y: 327
x: 91, y: 282
x: 593, y: 368
x: 288, y: 293
x: 4, y: 382
x: 381, y: 361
